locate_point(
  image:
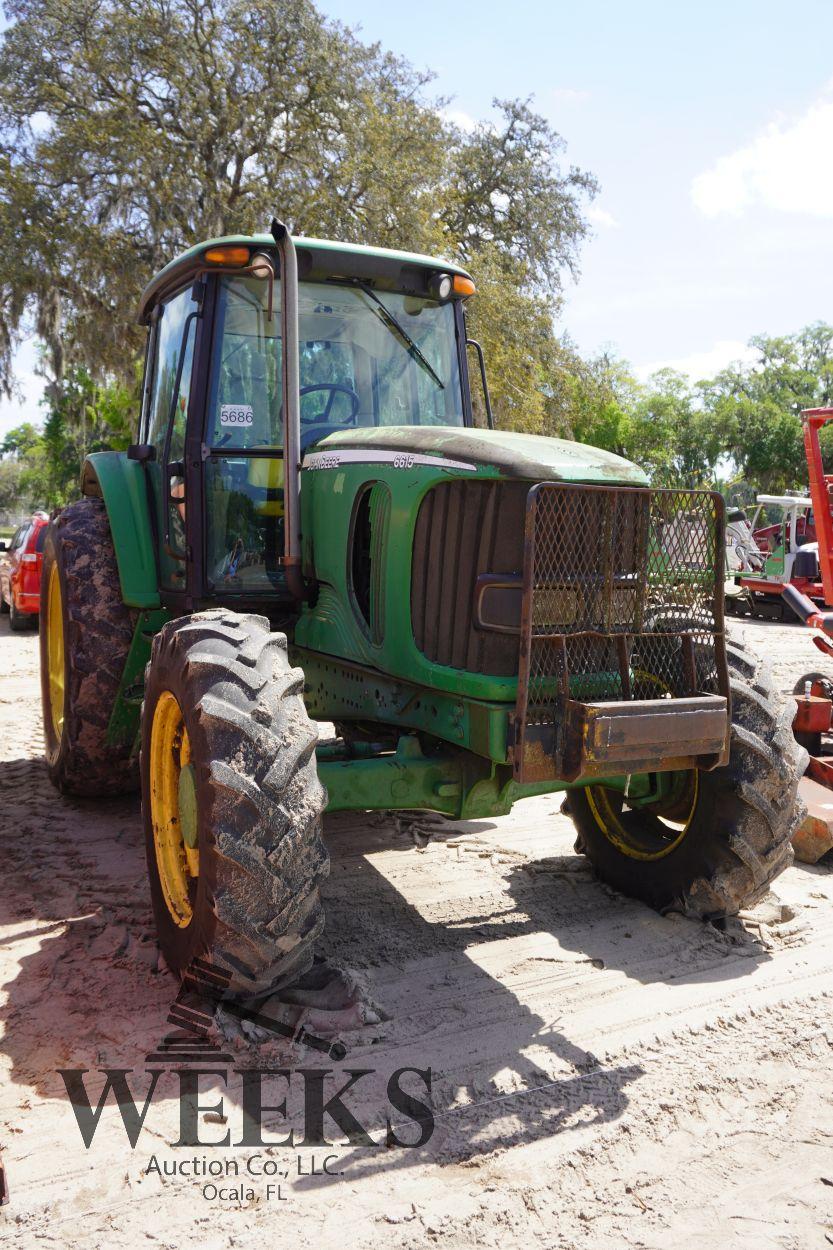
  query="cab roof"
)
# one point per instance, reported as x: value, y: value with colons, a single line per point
x: 317, y: 260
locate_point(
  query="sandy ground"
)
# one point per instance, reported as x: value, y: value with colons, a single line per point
x: 602, y: 1077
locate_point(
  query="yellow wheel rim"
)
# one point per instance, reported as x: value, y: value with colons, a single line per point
x: 172, y: 810
x: 638, y: 833
x: 56, y: 664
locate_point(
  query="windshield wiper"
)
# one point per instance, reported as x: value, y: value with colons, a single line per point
x: 393, y: 324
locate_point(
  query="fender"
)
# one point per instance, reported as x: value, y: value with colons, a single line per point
x: 121, y: 483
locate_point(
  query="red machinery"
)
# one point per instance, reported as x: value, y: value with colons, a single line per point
x: 821, y: 492
x: 797, y: 551
x: 814, y: 692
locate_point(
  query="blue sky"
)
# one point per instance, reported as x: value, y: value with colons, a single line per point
x: 710, y: 129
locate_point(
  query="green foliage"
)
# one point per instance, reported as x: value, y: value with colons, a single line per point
x: 522, y: 353
x: 39, y: 468
x: 601, y: 394
x: 11, y: 493
x: 20, y: 441
x: 740, y: 431
x: 756, y: 406
x: 677, y: 442
x: 163, y: 122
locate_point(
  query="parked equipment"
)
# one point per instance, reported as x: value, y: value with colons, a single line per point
x: 743, y: 557
x: 310, y: 527
x: 789, y: 560
x: 20, y: 571
x: 812, y: 728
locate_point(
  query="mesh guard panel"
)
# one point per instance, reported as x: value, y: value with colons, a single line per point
x: 622, y: 603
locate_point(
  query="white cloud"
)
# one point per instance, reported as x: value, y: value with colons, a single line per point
x: 704, y: 364
x: 601, y: 217
x: 569, y: 95
x: 785, y: 167
x: 458, y: 117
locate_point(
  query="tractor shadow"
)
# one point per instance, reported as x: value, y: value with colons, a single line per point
x: 86, y: 987
x: 483, y: 995
x: 89, y: 990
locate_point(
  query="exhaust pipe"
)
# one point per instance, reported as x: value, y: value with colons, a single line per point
x: 291, y: 399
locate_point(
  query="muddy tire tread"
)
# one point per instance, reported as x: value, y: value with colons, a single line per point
x: 258, y: 794
x: 100, y: 631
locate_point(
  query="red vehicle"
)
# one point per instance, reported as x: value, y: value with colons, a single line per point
x: 814, y: 692
x: 20, y: 568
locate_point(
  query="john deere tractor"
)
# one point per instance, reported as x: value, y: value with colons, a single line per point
x: 311, y: 527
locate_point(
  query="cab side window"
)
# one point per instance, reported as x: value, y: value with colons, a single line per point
x: 167, y: 414
x: 163, y: 403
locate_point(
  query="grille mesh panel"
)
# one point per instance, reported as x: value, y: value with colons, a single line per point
x: 622, y: 599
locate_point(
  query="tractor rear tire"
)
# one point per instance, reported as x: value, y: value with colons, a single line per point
x: 232, y: 803
x: 85, y: 635
x: 737, y: 836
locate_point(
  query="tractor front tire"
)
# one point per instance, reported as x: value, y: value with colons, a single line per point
x: 232, y: 803
x: 735, y: 837
x: 85, y: 635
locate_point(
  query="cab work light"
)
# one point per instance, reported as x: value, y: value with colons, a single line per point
x: 440, y: 285
x: 463, y: 286
x: 228, y: 254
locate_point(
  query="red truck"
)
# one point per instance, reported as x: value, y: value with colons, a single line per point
x: 20, y: 569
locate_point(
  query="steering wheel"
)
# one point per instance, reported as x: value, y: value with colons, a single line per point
x: 335, y: 388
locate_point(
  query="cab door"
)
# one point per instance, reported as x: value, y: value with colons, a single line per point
x: 244, y: 471
x: 168, y: 395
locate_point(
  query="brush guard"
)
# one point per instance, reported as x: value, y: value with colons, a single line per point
x: 622, y: 648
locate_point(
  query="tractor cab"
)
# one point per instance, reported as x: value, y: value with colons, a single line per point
x: 379, y: 338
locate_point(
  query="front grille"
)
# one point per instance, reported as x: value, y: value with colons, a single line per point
x: 465, y: 529
x: 622, y: 601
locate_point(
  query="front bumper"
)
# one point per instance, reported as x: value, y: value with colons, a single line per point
x: 615, y: 738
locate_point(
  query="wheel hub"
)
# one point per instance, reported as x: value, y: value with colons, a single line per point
x: 56, y: 665
x: 187, y: 799
x: 648, y: 831
x: 173, y: 809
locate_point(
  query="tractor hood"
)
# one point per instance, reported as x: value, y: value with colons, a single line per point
x: 528, y: 456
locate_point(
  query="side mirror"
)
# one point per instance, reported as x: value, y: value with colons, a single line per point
x: 473, y: 343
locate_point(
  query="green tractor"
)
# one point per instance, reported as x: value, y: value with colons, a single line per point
x: 312, y: 527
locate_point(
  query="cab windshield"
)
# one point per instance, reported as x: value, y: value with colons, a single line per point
x: 366, y: 359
